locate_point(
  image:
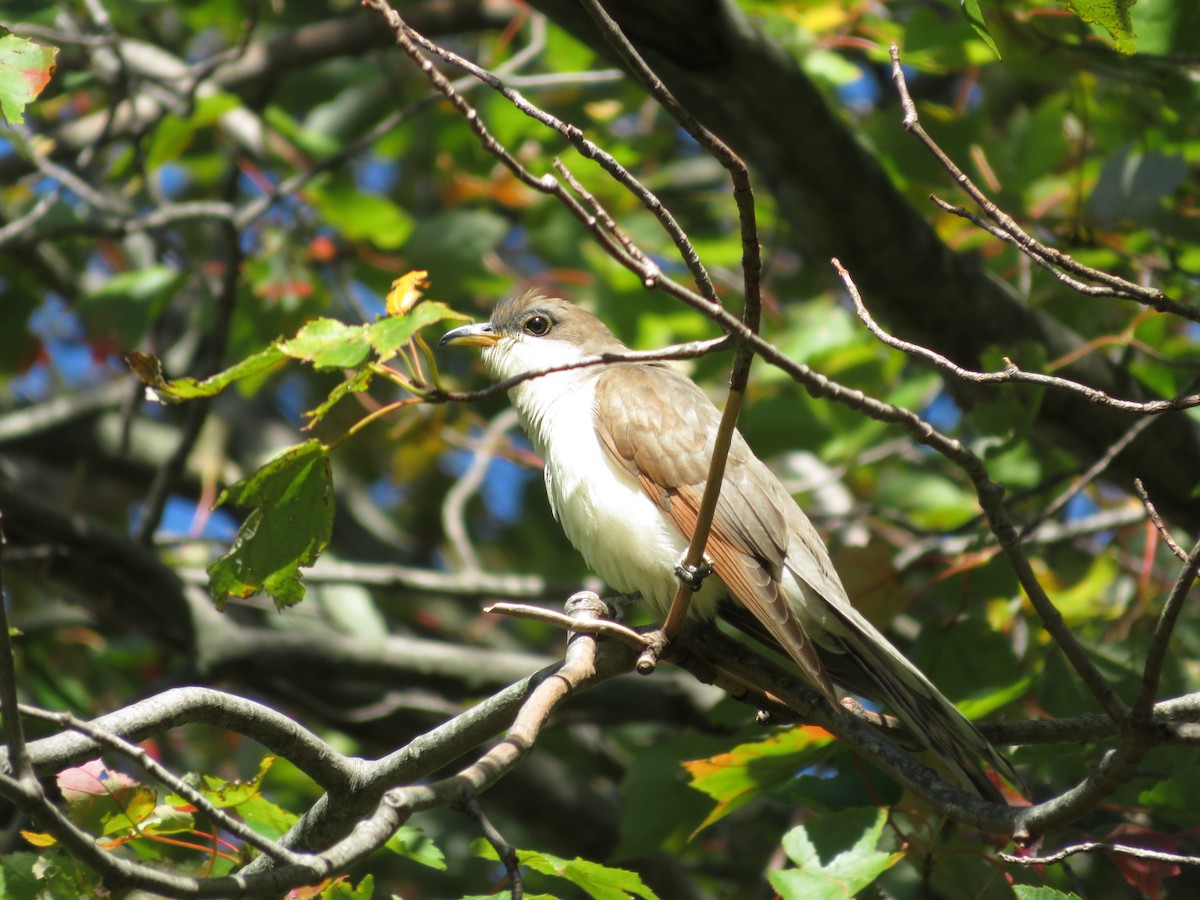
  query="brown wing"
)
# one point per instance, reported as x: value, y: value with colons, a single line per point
x: 667, y: 445
x: 757, y: 531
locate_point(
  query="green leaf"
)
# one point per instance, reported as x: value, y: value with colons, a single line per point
x: 149, y: 369
x: 1041, y: 892
x: 324, y: 343
x: 414, y: 843
x: 129, y: 811
x: 329, y: 344
x: 166, y: 819
x: 225, y: 794
x: 1112, y: 16
x: 363, y: 217
x: 267, y: 817
x: 289, y: 526
x: 388, y: 335
x: 175, y: 133
x: 127, y: 304
x: 47, y: 874
x: 104, y: 801
x: 1176, y: 797
x: 658, y: 805
x: 599, y: 881
x: 846, y: 873
x: 750, y: 770
x: 972, y: 13
x: 25, y: 70
x: 343, y: 890
x: 359, y: 381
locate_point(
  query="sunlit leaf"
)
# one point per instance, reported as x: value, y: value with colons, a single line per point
x: 414, y: 843
x: 843, y: 874
x: 406, y: 292
x: 359, y: 381
x: 342, y: 889
x: 361, y: 216
x: 166, y: 819
x: 389, y: 334
x: 971, y: 11
x: 149, y: 369
x: 598, y: 881
x: 175, y: 133
x: 103, y: 800
x: 25, y: 70
x: 1112, y: 16
x: 39, y: 839
x: 328, y: 344
x: 1041, y: 892
x: 737, y: 777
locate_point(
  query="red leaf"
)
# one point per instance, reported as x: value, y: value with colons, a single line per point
x: 1146, y: 875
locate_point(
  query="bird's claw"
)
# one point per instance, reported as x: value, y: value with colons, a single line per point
x: 693, y: 576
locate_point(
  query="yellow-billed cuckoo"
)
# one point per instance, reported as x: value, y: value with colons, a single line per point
x: 627, y: 449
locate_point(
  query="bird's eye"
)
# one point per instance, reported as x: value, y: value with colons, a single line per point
x: 537, y: 325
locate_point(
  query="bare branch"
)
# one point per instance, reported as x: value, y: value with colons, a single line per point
x: 1101, y: 847
x: 1011, y: 373
x: 1140, y: 715
x: 600, y: 627
x: 1156, y: 520
x: 504, y: 850
x: 1039, y: 252
x: 14, y: 737
x: 204, y: 706
x: 454, y: 506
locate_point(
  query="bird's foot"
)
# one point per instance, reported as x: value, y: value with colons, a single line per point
x: 693, y: 576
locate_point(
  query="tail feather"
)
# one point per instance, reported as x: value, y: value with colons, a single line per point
x: 870, y: 666
x: 925, y: 710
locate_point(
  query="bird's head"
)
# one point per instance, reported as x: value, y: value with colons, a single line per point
x: 533, y: 332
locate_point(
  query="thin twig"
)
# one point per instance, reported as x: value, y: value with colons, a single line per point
x: 410, y: 40
x: 1157, y: 521
x: 1094, y: 471
x: 454, y: 506
x: 1101, y: 847
x: 1011, y: 373
x: 1039, y: 252
x: 688, y: 350
x: 1143, y: 706
x: 579, y: 670
x: 598, y: 627
x: 14, y: 737
x: 20, y: 226
x: 504, y: 850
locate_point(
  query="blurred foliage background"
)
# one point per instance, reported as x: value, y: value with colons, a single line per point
x: 200, y: 179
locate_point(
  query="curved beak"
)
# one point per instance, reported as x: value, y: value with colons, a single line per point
x: 481, y: 335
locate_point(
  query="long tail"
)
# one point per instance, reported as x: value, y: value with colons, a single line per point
x: 927, y: 713
x: 869, y: 665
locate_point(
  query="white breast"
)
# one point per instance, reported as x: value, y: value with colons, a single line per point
x: 624, y: 537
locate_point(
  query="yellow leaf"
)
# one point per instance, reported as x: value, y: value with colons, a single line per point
x: 406, y: 292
